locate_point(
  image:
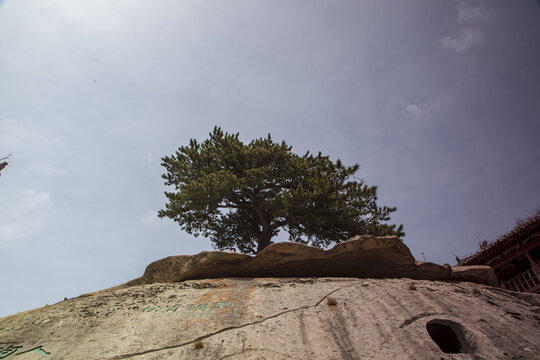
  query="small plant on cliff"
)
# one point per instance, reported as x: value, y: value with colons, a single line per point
x: 5, y: 163
x: 241, y: 195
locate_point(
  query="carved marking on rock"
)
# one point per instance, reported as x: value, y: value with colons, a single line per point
x: 16, y: 350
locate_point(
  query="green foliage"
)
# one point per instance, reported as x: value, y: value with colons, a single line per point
x: 241, y: 195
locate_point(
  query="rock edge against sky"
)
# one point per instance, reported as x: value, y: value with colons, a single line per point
x: 361, y: 257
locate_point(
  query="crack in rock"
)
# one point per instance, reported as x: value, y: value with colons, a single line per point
x: 206, y: 336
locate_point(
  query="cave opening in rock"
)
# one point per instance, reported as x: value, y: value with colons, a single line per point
x: 447, y: 335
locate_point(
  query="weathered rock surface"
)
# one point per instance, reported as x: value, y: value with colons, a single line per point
x: 280, y: 318
x: 361, y: 256
x: 291, y: 301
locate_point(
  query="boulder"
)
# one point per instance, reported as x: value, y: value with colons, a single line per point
x: 360, y: 257
x: 475, y: 273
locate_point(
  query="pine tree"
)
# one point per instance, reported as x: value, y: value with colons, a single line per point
x: 241, y: 196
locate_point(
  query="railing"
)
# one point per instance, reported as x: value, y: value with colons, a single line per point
x: 523, y: 282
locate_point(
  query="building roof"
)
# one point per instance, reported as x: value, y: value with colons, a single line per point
x: 523, y: 230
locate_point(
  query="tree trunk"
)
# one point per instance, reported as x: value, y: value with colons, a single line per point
x: 264, y: 237
x: 262, y: 242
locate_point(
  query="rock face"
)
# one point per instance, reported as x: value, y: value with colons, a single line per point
x: 281, y: 318
x: 364, y: 299
x: 361, y: 256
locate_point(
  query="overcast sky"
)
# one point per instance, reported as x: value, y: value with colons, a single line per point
x: 438, y: 101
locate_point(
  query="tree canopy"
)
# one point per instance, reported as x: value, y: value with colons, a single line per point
x: 241, y: 195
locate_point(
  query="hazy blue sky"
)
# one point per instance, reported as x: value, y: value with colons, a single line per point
x: 438, y: 101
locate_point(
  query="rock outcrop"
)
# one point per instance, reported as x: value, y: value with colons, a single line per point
x: 364, y: 299
x: 361, y: 257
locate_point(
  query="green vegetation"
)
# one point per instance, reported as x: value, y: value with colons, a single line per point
x: 241, y: 195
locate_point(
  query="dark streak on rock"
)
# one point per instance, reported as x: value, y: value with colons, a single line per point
x: 302, y: 328
x: 341, y: 336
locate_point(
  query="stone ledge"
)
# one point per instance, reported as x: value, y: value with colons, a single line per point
x: 361, y: 257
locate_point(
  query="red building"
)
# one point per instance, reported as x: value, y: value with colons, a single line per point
x: 515, y: 257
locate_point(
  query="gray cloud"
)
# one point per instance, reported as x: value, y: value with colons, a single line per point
x: 466, y: 12
x: 463, y: 41
x: 437, y: 101
x: 468, y: 34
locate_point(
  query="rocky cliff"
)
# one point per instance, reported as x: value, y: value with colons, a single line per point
x: 309, y: 317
